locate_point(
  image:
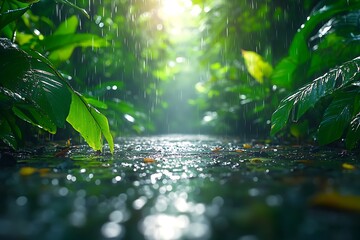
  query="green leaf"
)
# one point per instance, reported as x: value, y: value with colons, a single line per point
x: 68, y: 26
x: 353, y: 134
x: 83, y: 11
x: 280, y: 117
x: 335, y: 42
x: 62, y: 54
x: 302, y: 62
x: 282, y: 75
x: 54, y: 42
x: 336, y: 118
x: 28, y: 1
x: 62, y: 46
x: 10, y: 133
x: 89, y: 122
x: 306, y: 97
x: 35, y: 116
x: 11, y: 15
x: 34, y: 81
x: 299, y: 129
x: 322, y: 13
x: 52, y: 94
x: 121, y: 106
x: 96, y: 103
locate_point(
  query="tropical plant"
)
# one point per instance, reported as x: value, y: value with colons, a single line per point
x: 33, y: 90
x: 326, y: 49
x: 126, y: 76
x: 232, y: 100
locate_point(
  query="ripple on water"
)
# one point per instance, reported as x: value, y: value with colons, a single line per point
x: 197, y: 188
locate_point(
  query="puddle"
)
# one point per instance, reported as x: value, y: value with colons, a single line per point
x: 183, y: 187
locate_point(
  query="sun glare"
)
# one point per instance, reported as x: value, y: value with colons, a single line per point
x: 174, y: 8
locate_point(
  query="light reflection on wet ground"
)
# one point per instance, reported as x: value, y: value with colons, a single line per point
x: 179, y: 187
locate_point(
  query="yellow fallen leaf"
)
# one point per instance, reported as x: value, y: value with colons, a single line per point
x: 217, y: 149
x: 337, y: 201
x: 68, y: 142
x: 26, y: 171
x: 246, y: 145
x: 348, y: 166
x: 43, y: 171
x: 149, y: 160
x: 239, y: 150
x: 256, y: 160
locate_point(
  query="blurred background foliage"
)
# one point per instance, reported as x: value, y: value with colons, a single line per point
x: 200, y: 66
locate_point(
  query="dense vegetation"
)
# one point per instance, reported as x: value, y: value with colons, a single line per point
x: 224, y: 69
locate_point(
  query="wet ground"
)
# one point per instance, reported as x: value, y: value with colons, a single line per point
x: 182, y: 187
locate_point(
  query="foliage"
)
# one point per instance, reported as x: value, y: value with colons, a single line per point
x: 125, y: 76
x: 329, y: 56
x: 238, y: 97
x: 90, y: 122
x: 138, y: 62
x: 32, y: 90
x: 311, y: 55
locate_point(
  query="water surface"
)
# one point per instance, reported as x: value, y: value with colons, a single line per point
x: 182, y: 187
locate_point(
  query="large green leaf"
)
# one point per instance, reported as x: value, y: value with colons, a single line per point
x: 306, y: 97
x: 68, y: 26
x: 35, y: 116
x: 36, y: 83
x: 10, y: 133
x: 89, y: 122
x: 282, y: 75
x: 280, y: 117
x: 11, y: 15
x: 336, y: 118
x: 304, y: 62
x: 61, y: 46
x: 54, y: 42
x: 324, y: 11
x: 335, y: 42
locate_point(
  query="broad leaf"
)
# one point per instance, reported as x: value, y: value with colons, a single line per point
x: 282, y: 75
x: 280, y: 117
x: 302, y: 62
x: 11, y: 15
x: 306, y: 97
x: 62, y: 46
x: 68, y: 26
x: 96, y: 103
x: 336, y: 118
x: 9, y: 132
x: 35, y: 82
x: 89, y: 122
x: 35, y: 116
x: 54, y: 42
x: 62, y: 54
x: 335, y: 42
x: 323, y: 12
x: 52, y: 94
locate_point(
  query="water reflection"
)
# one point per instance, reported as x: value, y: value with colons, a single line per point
x: 190, y: 192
